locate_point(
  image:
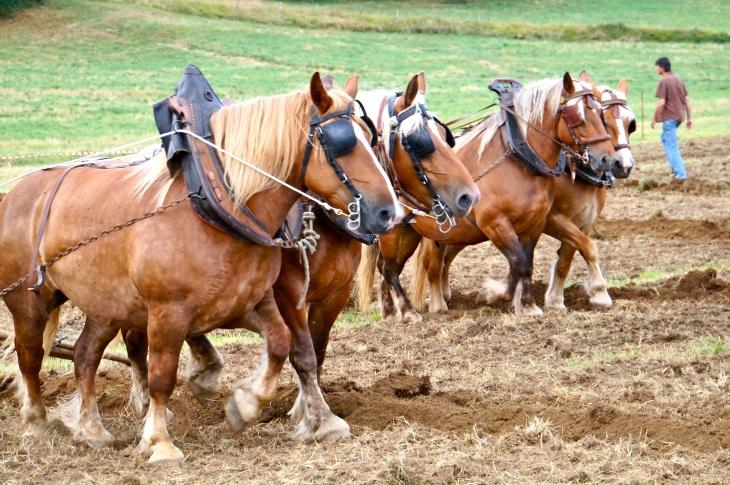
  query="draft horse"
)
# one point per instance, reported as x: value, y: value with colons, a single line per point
x: 334, y: 265
x: 514, y: 204
x: 174, y: 276
x: 577, y: 205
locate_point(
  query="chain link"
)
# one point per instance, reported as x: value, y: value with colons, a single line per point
x: 13, y: 286
x: 106, y: 232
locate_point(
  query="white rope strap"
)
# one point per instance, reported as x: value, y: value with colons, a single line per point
x: 308, y: 242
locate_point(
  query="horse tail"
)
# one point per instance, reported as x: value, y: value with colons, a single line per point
x: 419, y: 285
x: 49, y: 334
x: 366, y: 275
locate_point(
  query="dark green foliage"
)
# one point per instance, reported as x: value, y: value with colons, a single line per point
x: 9, y: 6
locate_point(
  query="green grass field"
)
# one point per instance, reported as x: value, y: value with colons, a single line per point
x: 81, y: 75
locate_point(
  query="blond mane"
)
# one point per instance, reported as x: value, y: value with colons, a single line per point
x: 530, y: 105
x: 266, y: 132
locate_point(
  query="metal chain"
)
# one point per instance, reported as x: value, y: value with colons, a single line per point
x: 13, y: 286
x: 116, y: 228
x: 506, y: 154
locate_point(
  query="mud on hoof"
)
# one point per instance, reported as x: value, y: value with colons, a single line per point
x: 530, y: 310
x: 411, y: 316
x: 36, y: 429
x: 204, y: 390
x: 242, y: 410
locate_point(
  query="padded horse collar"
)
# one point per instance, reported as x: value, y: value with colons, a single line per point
x: 193, y: 104
x: 518, y: 148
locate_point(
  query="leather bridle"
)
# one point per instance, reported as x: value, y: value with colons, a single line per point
x: 418, y: 145
x: 614, y: 105
x: 337, y: 138
x: 571, y: 116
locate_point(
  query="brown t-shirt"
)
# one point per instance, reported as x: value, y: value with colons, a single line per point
x: 671, y: 88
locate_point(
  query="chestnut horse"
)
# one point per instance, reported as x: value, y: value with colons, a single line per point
x: 514, y: 204
x: 332, y: 269
x: 174, y: 276
x: 575, y: 209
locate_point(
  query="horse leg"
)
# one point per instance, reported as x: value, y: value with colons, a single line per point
x: 395, y: 250
x: 136, y: 343
x: 561, y: 269
x: 312, y: 415
x: 322, y: 316
x: 434, y: 266
x: 203, y: 369
x: 166, y: 336
x: 34, y: 338
x: 449, y: 257
x: 565, y: 231
x: 251, y: 394
x: 503, y: 236
x: 525, y: 303
x: 81, y: 413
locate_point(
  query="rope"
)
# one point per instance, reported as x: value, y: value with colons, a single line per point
x: 307, y: 242
x: 66, y: 154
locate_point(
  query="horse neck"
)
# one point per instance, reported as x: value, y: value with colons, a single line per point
x: 272, y: 206
x: 545, y: 148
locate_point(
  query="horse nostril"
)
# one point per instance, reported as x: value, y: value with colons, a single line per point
x: 464, y: 202
x: 385, y: 217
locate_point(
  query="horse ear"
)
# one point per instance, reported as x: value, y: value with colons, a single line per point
x: 596, y: 92
x: 422, y: 82
x: 328, y: 81
x: 320, y: 98
x: 623, y: 86
x: 584, y: 76
x: 351, y: 86
x: 568, y: 83
x: 411, y: 91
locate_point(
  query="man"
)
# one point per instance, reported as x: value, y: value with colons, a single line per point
x: 673, y: 102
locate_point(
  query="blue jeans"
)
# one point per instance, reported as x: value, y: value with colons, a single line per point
x: 671, y: 148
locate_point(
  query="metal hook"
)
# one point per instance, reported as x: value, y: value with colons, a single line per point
x: 440, y: 210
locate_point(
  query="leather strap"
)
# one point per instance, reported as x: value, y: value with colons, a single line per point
x: 35, y: 279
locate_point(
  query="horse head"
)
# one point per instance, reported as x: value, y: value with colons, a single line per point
x: 344, y: 169
x: 580, y: 124
x: 620, y: 123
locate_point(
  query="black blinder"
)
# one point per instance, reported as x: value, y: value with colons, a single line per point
x: 373, y: 132
x: 339, y: 137
x: 421, y: 143
x: 632, y: 126
x: 449, y: 136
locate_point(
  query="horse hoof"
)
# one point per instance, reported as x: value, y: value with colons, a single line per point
x: 530, y: 311
x: 96, y: 439
x: 412, y: 317
x: 35, y: 430
x: 333, y: 429
x: 554, y: 303
x: 601, y: 301
x: 204, y: 392
x: 165, y: 451
x: 242, y: 410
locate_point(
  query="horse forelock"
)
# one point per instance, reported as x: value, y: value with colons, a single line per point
x: 372, y: 101
x: 529, y: 104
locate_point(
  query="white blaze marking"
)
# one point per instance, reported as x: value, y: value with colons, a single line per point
x: 399, y: 214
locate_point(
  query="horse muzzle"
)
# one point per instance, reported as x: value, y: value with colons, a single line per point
x: 602, y: 164
x: 619, y: 171
x: 378, y: 218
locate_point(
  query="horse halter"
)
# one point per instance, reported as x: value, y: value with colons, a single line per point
x: 572, y: 117
x: 614, y: 106
x: 418, y: 145
x: 338, y: 138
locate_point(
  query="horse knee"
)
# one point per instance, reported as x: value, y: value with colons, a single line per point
x: 278, y: 344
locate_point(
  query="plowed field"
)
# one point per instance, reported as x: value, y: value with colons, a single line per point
x: 638, y: 393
